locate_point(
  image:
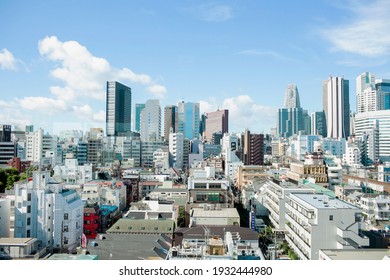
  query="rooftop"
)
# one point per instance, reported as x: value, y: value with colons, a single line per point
x: 223, y: 212
x: 17, y: 241
x: 361, y: 254
x: 323, y: 201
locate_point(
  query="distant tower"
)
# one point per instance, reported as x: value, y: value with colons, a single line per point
x: 291, y: 97
x: 118, y: 109
x: 335, y: 93
x: 151, y: 121
x: 188, y: 119
x: 217, y: 121
x: 170, y: 120
x: 138, y: 109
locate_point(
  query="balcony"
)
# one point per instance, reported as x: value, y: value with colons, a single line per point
x: 352, y: 237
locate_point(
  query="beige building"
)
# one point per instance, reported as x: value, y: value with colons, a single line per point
x: 248, y: 174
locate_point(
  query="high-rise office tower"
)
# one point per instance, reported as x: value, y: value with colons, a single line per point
x: 291, y: 97
x: 118, y: 109
x: 366, y: 95
x: 291, y: 117
x: 290, y: 121
x: 217, y: 121
x: 138, y: 109
x: 318, y: 123
x: 151, y: 121
x: 382, y: 87
x: 170, y: 120
x: 188, y: 119
x: 335, y: 94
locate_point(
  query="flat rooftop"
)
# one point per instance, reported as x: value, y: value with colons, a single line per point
x: 323, y: 201
x: 224, y: 212
x: 360, y: 254
x: 16, y: 241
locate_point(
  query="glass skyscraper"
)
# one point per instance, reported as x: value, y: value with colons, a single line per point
x: 188, y: 119
x: 118, y: 109
x: 138, y: 109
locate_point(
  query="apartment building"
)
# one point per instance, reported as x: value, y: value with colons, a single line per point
x: 276, y: 193
x: 318, y: 221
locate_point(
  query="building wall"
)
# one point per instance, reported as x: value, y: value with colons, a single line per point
x: 4, y: 217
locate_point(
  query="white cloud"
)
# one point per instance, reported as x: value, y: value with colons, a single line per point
x: 84, y: 79
x: 7, y: 60
x: 43, y: 105
x: 10, y: 114
x: 367, y: 34
x: 158, y: 91
x: 216, y: 13
x: 86, y: 112
x: 244, y: 112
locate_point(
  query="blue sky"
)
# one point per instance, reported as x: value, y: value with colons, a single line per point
x: 56, y: 56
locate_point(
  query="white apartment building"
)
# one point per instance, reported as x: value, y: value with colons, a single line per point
x: 275, y: 199
x: 334, y: 171
x: 72, y: 173
x: 352, y: 156
x: 105, y: 193
x: 5, y: 217
x: 317, y: 221
x: 375, y: 207
x: 176, y: 149
x: 48, y: 212
x: 229, y: 148
x: 161, y: 161
x: 38, y: 143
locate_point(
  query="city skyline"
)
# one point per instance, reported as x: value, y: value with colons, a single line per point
x: 223, y: 55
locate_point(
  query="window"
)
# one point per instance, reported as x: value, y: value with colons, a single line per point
x: 28, y: 233
x: 155, y: 228
x: 65, y: 228
x: 142, y: 228
x: 66, y: 216
x: 28, y: 208
x: 330, y: 217
x: 28, y: 221
x: 29, y: 197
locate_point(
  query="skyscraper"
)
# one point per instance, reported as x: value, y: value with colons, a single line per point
x: 290, y: 121
x: 383, y: 90
x: 318, y: 123
x: 217, y: 121
x: 151, y: 121
x: 138, y: 109
x: 118, y: 109
x: 170, y: 120
x: 188, y: 119
x: 291, y: 97
x: 290, y: 118
x: 335, y: 94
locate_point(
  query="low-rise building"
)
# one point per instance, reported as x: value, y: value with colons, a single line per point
x: 214, y: 215
x: 375, y: 207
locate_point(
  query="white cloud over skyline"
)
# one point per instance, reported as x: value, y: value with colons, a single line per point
x: 244, y: 112
x: 83, y: 77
